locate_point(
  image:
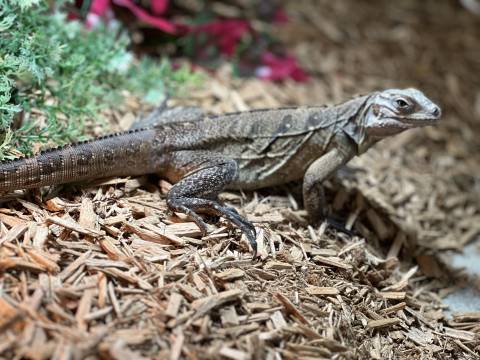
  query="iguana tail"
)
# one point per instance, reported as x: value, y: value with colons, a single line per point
x: 119, y: 154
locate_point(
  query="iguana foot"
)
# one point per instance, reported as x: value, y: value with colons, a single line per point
x: 193, y: 206
x: 338, y: 224
x: 197, y: 219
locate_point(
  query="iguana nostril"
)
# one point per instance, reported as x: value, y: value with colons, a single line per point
x: 436, y: 111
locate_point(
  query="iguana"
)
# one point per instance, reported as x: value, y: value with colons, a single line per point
x: 202, y: 155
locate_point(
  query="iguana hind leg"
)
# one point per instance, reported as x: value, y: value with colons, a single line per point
x: 202, y: 176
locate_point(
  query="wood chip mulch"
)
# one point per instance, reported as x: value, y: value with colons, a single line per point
x: 105, y: 271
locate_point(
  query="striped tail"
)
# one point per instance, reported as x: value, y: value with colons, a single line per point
x: 120, y: 154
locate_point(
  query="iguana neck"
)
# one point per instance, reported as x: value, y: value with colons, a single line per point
x: 356, y: 129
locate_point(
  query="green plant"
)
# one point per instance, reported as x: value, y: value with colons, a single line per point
x: 56, y: 76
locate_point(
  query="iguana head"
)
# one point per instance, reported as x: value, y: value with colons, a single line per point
x: 395, y: 110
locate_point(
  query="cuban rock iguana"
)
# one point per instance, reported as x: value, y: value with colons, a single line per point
x: 202, y: 155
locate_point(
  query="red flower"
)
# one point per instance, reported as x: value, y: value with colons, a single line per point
x: 99, y: 7
x: 159, y: 6
x: 156, y: 21
x: 226, y: 33
x: 280, y: 16
x: 277, y: 68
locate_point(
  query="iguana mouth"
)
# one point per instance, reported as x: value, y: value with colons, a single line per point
x: 423, y: 120
x: 429, y: 118
x: 420, y: 122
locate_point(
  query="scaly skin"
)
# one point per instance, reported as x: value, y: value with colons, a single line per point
x: 203, y: 155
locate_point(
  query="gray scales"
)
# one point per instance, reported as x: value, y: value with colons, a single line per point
x: 202, y: 155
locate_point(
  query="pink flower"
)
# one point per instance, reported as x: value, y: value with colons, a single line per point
x: 99, y: 7
x: 159, y: 6
x: 276, y: 68
x: 155, y: 21
x: 280, y: 16
x: 226, y: 33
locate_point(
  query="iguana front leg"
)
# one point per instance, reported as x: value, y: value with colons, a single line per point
x: 202, y: 176
x: 319, y: 171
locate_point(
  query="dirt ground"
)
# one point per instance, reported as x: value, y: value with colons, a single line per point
x: 106, y: 272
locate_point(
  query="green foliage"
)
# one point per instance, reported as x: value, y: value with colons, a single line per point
x: 57, y: 76
x: 153, y: 80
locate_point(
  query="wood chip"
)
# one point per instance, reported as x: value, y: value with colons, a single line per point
x: 176, y: 351
x: 15, y: 232
x: 277, y: 265
x: 174, y: 305
x: 332, y: 261
x: 43, y: 260
x: 467, y: 316
x: 9, y: 315
x: 394, y: 308
x: 154, y: 236
x: 290, y: 308
x: 322, y: 291
x: 204, y: 305
x: 459, y: 334
x: 382, y: 323
x: 230, y: 275
x: 110, y: 248
x: 393, y: 295
x: 20, y: 264
x: 234, y: 354
x: 11, y: 221
x: 71, y: 225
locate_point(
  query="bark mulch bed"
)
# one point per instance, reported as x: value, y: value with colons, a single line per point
x: 105, y: 271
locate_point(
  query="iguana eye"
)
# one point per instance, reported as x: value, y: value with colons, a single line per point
x: 402, y: 104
